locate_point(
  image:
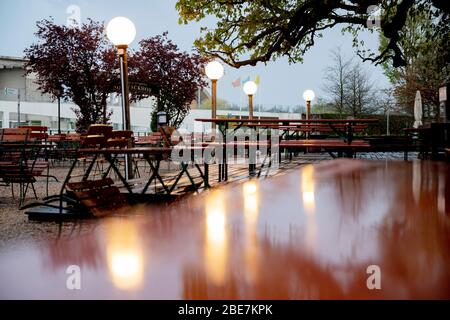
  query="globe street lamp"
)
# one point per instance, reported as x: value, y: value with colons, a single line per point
x: 250, y: 88
x: 309, y: 96
x: 214, y: 71
x: 121, y: 32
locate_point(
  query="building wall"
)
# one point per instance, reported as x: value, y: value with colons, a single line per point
x: 11, y: 78
x: 47, y: 114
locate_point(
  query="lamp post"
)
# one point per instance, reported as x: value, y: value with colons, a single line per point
x: 309, y: 96
x: 121, y: 32
x: 214, y: 71
x: 250, y: 88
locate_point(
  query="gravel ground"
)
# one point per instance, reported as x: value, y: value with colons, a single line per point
x: 14, y: 224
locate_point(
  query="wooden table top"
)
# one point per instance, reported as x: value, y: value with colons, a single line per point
x: 307, y: 234
x: 235, y: 120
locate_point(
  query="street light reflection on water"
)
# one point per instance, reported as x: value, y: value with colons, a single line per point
x: 125, y: 256
x: 308, y: 190
x: 251, y: 215
x: 216, y: 244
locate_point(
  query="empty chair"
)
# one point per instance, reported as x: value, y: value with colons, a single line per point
x: 37, y: 133
x: 14, y: 135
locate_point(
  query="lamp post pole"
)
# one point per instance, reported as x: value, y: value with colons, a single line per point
x: 213, y: 102
x: 250, y: 106
x: 18, y: 107
x: 125, y: 88
x: 126, y: 118
x: 59, y: 114
x: 308, y: 110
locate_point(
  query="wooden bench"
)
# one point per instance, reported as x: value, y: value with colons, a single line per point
x: 99, y: 197
x: 37, y: 133
x: 14, y: 135
x: 325, y: 143
x: 328, y: 145
x: 323, y: 128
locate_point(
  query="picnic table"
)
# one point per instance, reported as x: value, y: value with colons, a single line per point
x: 318, y: 232
x: 153, y: 157
x: 344, y: 128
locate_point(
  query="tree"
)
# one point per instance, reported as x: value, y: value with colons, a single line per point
x: 360, y: 95
x: 76, y: 64
x: 336, y: 81
x: 427, y: 54
x: 252, y: 31
x: 178, y: 75
x: 386, y: 100
x: 349, y: 87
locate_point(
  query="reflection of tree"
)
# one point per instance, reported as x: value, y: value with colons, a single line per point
x: 415, y: 235
x: 350, y: 181
x: 82, y: 251
x: 411, y: 247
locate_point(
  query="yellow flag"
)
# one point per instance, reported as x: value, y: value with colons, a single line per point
x: 258, y: 80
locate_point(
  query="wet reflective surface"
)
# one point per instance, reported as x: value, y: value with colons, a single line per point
x: 307, y: 234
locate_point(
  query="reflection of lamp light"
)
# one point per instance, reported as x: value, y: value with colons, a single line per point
x: 250, y: 89
x: 308, y: 195
x: 251, y: 202
x: 127, y: 270
x: 251, y: 213
x: 216, y: 237
x: 309, y: 96
x: 309, y: 206
x: 308, y: 198
x: 214, y: 71
x: 124, y: 255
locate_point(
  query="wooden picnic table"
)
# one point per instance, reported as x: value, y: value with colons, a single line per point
x: 153, y: 156
x: 318, y: 232
x: 344, y: 128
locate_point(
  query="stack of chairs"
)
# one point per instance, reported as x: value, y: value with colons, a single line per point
x: 14, y: 166
x: 39, y: 135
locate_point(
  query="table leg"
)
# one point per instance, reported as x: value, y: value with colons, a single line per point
x: 117, y: 171
x: 155, y: 175
x: 89, y: 169
x: 66, y: 181
x: 105, y: 175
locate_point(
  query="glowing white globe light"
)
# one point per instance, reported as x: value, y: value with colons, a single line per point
x: 250, y: 88
x: 309, y: 95
x: 121, y: 31
x: 214, y: 70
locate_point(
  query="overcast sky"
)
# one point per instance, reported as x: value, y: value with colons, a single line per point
x: 281, y: 83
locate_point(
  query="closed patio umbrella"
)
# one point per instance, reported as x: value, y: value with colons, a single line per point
x: 418, y: 110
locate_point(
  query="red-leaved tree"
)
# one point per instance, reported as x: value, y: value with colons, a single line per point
x: 177, y: 74
x: 77, y: 64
